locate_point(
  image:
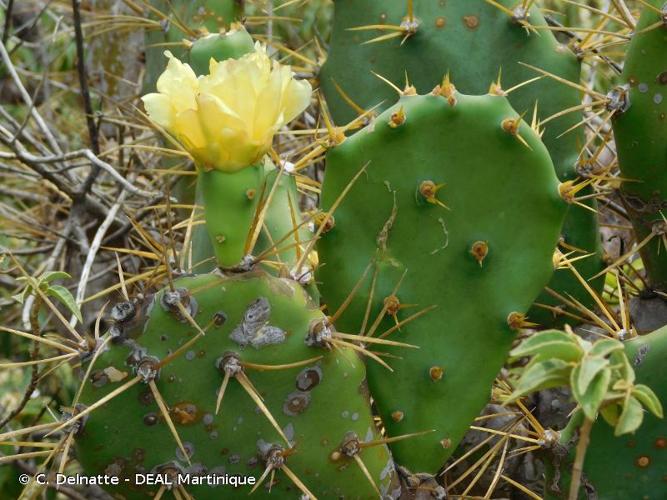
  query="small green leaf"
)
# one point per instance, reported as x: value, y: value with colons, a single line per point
x: 550, y: 344
x: 591, y: 400
x: 605, y: 347
x: 65, y: 297
x: 610, y: 413
x: 542, y: 375
x: 624, y: 369
x: 647, y: 397
x: 20, y: 297
x: 53, y: 275
x: 584, y: 373
x: 631, y: 417
x: 27, y: 290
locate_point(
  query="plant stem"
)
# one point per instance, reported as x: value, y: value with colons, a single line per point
x: 85, y: 93
x: 578, y: 467
x: 8, y: 21
x: 34, y: 378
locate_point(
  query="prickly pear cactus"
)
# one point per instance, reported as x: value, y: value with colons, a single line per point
x: 234, y: 199
x: 231, y: 375
x: 638, y: 460
x: 481, y: 45
x: 203, y: 23
x: 183, y: 20
x: 232, y: 44
x: 232, y: 202
x: 640, y: 129
x: 235, y: 193
x: 439, y: 187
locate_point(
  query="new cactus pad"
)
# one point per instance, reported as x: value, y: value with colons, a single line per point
x: 233, y: 43
x: 233, y: 203
x: 182, y: 20
x: 436, y: 196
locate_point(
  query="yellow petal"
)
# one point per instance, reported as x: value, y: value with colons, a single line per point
x: 159, y: 109
x: 187, y: 129
x: 179, y: 83
x: 297, y: 99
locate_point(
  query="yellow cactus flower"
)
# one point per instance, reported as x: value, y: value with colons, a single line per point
x: 227, y: 119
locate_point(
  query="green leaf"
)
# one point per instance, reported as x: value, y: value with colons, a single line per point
x: 584, y: 373
x: 591, y: 400
x: 27, y: 290
x: 647, y: 397
x: 50, y: 276
x: 610, y: 413
x: 542, y: 375
x: 605, y: 347
x: 550, y: 344
x: 628, y: 369
x: 631, y: 417
x: 20, y: 297
x: 65, y: 297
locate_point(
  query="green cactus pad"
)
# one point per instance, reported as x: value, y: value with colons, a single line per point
x: 253, y: 318
x: 232, y: 44
x: 641, y: 138
x: 199, y: 16
x: 232, y: 203
x: 484, y: 257
x: 473, y: 41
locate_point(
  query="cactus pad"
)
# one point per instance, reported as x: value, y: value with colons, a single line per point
x: 640, y: 129
x: 475, y: 42
x: 253, y: 325
x: 442, y: 205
